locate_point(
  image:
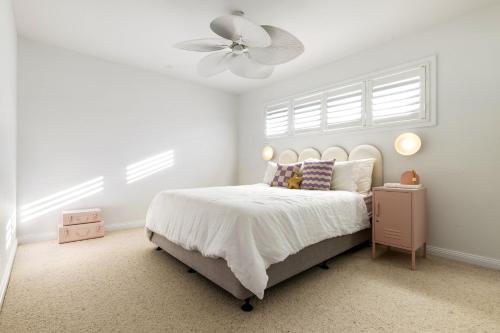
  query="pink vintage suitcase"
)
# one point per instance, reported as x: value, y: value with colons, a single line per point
x: 78, y: 232
x: 80, y: 216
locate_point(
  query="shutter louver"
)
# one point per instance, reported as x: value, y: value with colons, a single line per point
x: 398, y: 97
x: 307, y: 113
x: 344, y: 107
x: 277, y: 119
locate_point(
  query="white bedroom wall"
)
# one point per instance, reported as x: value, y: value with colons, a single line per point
x: 460, y: 159
x: 82, y: 118
x: 8, y: 45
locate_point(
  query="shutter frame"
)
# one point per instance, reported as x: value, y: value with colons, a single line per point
x: 277, y: 122
x: 399, y: 97
x: 307, y: 109
x: 346, y: 101
x: 420, y: 114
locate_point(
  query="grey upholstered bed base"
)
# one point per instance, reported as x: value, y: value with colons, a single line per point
x: 216, y: 269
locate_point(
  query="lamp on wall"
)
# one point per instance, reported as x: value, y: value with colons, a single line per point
x: 267, y: 153
x: 408, y: 144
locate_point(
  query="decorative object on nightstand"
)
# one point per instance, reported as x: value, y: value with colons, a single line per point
x: 81, y: 224
x: 408, y: 144
x: 399, y: 219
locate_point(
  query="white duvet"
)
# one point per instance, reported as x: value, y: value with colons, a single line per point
x: 254, y: 226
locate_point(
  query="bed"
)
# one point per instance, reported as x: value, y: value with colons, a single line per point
x: 249, y: 238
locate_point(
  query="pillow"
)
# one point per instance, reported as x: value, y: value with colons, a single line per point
x: 270, y: 172
x: 354, y: 176
x: 283, y: 173
x: 317, y: 175
x: 344, y: 177
x: 364, y: 174
x: 310, y: 159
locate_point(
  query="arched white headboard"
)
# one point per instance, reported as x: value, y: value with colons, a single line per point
x: 339, y: 154
x: 309, y: 153
x: 288, y: 157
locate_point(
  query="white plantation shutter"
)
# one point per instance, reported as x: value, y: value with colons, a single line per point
x: 398, y: 97
x: 307, y: 113
x: 277, y: 119
x: 344, y: 107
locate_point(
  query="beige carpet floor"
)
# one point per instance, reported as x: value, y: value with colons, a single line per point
x: 121, y: 284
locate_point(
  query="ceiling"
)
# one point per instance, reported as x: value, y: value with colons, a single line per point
x: 141, y: 32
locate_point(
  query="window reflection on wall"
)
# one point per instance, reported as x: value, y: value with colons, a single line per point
x: 149, y: 166
x: 10, y: 230
x: 62, y: 198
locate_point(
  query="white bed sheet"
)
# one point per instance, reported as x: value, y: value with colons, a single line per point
x: 254, y: 226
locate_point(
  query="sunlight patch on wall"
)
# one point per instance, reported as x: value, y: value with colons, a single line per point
x: 149, y: 166
x: 61, y: 199
x: 10, y: 230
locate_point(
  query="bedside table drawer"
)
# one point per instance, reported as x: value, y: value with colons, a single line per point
x: 392, y: 218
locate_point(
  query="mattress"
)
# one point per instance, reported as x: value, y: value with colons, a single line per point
x: 254, y: 226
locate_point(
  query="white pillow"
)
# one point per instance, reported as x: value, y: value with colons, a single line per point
x: 344, y: 176
x: 354, y: 176
x: 364, y: 174
x: 271, y: 169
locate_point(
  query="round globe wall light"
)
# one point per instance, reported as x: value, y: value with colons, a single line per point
x: 407, y: 144
x: 267, y: 153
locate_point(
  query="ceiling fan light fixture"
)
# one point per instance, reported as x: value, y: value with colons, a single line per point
x: 238, y: 49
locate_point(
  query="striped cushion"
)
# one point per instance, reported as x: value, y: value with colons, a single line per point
x: 284, y: 173
x: 317, y: 175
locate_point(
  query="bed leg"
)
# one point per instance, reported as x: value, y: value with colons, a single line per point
x: 158, y: 248
x: 247, y: 307
x: 324, y: 265
x: 190, y: 270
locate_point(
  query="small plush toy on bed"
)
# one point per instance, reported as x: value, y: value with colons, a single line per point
x: 294, y: 182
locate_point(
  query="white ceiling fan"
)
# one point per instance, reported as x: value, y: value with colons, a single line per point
x: 246, y: 49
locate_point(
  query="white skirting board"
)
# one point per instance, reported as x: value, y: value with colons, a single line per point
x: 4, y: 282
x: 125, y: 225
x: 46, y: 236
x: 465, y: 257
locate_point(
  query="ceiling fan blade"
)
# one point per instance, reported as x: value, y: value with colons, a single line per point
x: 284, y: 47
x: 214, y: 63
x: 204, y: 44
x: 241, y: 30
x: 245, y: 67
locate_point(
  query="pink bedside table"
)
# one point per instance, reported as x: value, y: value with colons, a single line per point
x: 399, y: 219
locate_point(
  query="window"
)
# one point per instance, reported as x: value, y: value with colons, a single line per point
x: 307, y: 113
x: 344, y: 107
x: 277, y: 119
x: 398, y: 97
